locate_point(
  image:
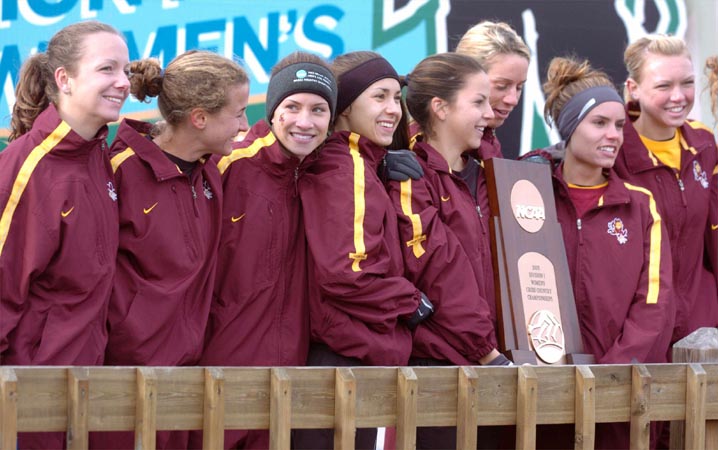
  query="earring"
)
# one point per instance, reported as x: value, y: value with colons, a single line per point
x: 66, y: 90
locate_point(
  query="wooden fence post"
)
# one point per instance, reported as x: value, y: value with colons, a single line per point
x: 8, y: 409
x: 213, y: 420
x: 585, y: 434
x: 526, y: 408
x: 146, y: 409
x: 78, y: 400
x: 406, y: 396
x: 345, y: 388
x: 280, y: 409
x: 640, y: 407
x: 467, y: 414
x: 701, y: 346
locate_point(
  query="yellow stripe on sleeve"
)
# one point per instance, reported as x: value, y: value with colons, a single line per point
x: 121, y: 157
x: 359, y: 253
x: 23, y: 177
x: 417, y: 232
x: 697, y: 125
x: 654, y: 255
x: 246, y: 152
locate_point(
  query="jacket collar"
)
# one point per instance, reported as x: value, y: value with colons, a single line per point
x: 636, y: 155
x: 616, y: 192
x: 135, y: 134
x: 49, y: 120
x: 372, y: 153
x: 273, y: 157
x: 433, y: 158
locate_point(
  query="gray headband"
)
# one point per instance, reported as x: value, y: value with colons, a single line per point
x: 301, y: 77
x: 581, y: 104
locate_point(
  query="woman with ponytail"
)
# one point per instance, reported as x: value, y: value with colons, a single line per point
x: 442, y: 236
x: 58, y: 209
x: 618, y: 255
x: 677, y: 160
x: 711, y: 70
x: 170, y: 200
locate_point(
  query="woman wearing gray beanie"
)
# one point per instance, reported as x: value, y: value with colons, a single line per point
x: 260, y: 315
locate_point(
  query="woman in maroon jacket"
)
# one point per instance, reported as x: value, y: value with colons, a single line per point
x: 362, y: 309
x: 677, y: 160
x: 506, y: 58
x: 618, y: 254
x: 260, y: 314
x: 58, y: 222
x: 440, y: 229
x: 712, y: 233
x: 170, y: 202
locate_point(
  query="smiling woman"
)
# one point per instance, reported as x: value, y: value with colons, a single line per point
x: 261, y: 313
x: 506, y: 58
x: 676, y: 159
x: 58, y: 223
x: 362, y: 309
x: 169, y: 215
x: 625, y: 310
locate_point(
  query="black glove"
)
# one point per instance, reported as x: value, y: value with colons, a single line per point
x: 400, y: 165
x: 423, y: 312
x: 500, y: 360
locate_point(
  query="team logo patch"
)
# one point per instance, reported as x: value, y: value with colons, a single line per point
x: 700, y: 175
x: 111, y: 191
x: 616, y: 228
x: 207, y: 190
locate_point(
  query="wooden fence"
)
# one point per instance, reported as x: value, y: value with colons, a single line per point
x: 84, y: 399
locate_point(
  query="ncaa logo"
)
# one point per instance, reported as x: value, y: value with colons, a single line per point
x: 301, y: 73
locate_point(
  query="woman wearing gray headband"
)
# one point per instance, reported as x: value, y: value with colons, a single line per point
x: 615, y: 241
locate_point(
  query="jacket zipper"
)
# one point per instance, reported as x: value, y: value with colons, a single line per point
x: 682, y: 188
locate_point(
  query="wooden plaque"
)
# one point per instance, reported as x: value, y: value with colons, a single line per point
x: 537, y: 321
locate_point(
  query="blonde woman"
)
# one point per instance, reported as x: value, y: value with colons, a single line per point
x: 677, y: 160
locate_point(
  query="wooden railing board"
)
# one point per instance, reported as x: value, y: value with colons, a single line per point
x: 246, y: 404
x: 111, y: 393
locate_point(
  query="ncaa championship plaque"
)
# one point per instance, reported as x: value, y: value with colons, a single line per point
x: 534, y: 303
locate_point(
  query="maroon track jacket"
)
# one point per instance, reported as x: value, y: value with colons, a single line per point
x: 442, y: 239
x: 358, y: 294
x: 620, y: 264
x: 58, y: 240
x: 169, y: 233
x: 260, y: 315
x: 684, y: 202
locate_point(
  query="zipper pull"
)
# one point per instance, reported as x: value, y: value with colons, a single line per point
x: 194, y: 193
x: 478, y: 210
x: 578, y: 224
x: 682, y: 188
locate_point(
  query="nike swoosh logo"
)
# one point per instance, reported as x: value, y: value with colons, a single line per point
x: 237, y: 219
x: 445, y: 199
x: 148, y: 210
x: 66, y: 213
x: 714, y: 227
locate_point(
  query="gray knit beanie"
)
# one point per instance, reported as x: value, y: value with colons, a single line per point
x: 301, y: 77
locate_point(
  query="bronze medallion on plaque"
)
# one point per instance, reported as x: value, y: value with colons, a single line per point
x: 535, y: 305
